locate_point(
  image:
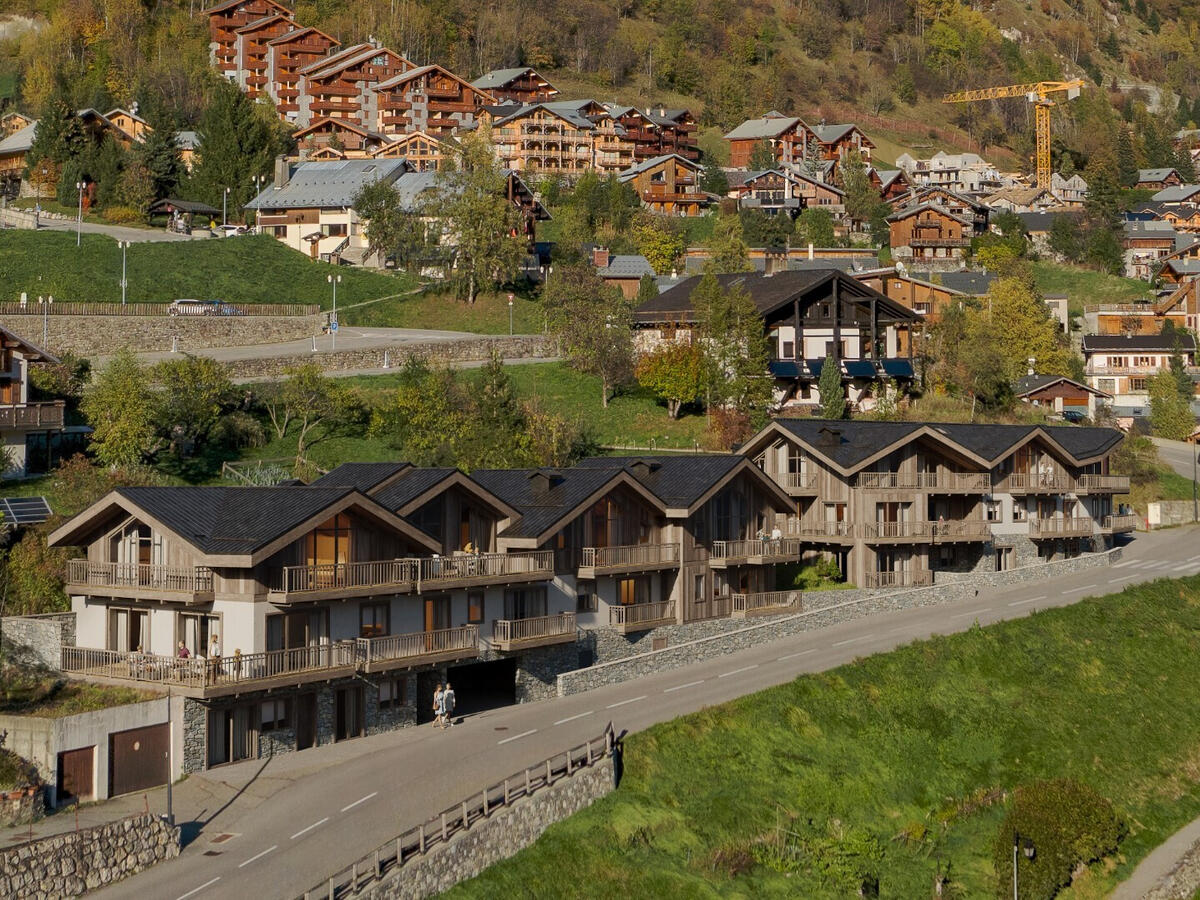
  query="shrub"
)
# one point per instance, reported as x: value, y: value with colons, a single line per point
x: 122, y: 215
x: 1067, y: 822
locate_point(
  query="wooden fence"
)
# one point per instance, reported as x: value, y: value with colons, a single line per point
x: 438, y: 830
x: 72, y: 308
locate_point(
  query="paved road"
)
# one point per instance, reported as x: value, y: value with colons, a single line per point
x: 1160, y: 861
x: 123, y: 233
x: 1177, y: 455
x: 297, y: 818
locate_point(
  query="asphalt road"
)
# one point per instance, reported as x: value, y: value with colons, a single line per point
x: 1177, y: 455
x: 276, y: 828
x: 122, y: 232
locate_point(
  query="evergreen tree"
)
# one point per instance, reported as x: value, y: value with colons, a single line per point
x: 713, y: 179
x: 734, y: 344
x: 235, y: 144
x: 1170, y: 412
x: 1184, y: 165
x: 60, y: 136
x: 1064, y: 237
x: 863, y: 203
x: 647, y: 290
x: 762, y: 157
x: 829, y: 385
x: 161, y: 156
x: 1127, y: 169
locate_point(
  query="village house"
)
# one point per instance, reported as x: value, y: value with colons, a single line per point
x: 422, y: 152
x: 33, y: 433
x: 621, y: 271
x: 675, y: 133
x: 1071, y: 192
x: 774, y: 191
x: 792, y: 142
x: 429, y: 99
x: 341, y: 86
x: 1157, y: 179
x: 1177, y: 195
x: 667, y: 185
x: 224, y: 20
x: 1147, y: 244
x: 328, y: 138
x: 286, y: 55
x: 542, y: 138
x: 522, y: 85
x: 1021, y: 200
x: 892, y: 184
x: 1061, y: 395
x: 965, y: 173
x: 1121, y: 364
x: 929, y: 232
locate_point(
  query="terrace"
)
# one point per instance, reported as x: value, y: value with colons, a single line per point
x: 596, y: 561
x: 181, y: 584
x: 641, y: 616
x: 541, y: 631
x: 759, y: 551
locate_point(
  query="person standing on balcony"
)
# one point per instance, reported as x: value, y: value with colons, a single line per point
x: 214, y: 654
x: 448, y: 706
x: 439, y: 707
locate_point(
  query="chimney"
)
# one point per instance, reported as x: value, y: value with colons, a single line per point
x: 829, y: 437
x: 283, y: 172
x: 1032, y: 366
x: 542, y: 480
x: 600, y: 257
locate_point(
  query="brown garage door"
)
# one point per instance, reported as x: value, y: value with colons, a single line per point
x: 75, y: 769
x: 137, y: 759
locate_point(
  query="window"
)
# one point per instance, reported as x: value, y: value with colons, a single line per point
x: 992, y: 509
x: 391, y: 693
x: 274, y: 714
x: 525, y: 603
x: 698, y: 590
x: 373, y: 619
x: 921, y: 308
x: 789, y: 349
x: 329, y: 542
x: 474, y: 607
x: 585, y: 597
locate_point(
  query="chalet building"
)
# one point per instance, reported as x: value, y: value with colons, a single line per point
x: 429, y: 99
x: 33, y: 434
x: 13, y: 121
x: 1175, y: 308
x: 624, y: 272
x: 520, y: 85
x: 341, y: 86
x: 1179, y: 194
x: 224, y: 20
x: 668, y: 185
x: 128, y: 125
x: 785, y: 135
x: 808, y: 315
x: 1037, y: 226
x: 286, y: 55
x: 1121, y: 365
x: 421, y: 151
x: 892, y: 184
x: 832, y: 142
x: 1147, y: 244
x: 965, y: 173
x: 613, y: 149
x: 928, y: 232
x: 1059, y: 394
x: 958, y: 204
x: 1021, y: 199
x: 1184, y: 218
x: 14, y: 151
x: 1157, y: 179
x: 125, y: 127
x: 329, y: 138
x: 773, y: 191
x: 250, y: 52
x: 1071, y: 192
x: 675, y: 132
x: 897, y: 503
x: 542, y: 138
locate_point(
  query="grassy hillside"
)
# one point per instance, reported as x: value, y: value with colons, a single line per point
x: 251, y: 269
x: 915, y: 749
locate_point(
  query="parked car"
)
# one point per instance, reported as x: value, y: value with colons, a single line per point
x: 203, y: 308
x: 231, y: 230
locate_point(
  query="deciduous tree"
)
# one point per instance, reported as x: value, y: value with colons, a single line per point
x: 593, y: 323
x: 675, y: 372
x: 193, y: 393
x: 727, y: 246
x: 732, y: 339
x: 1170, y: 413
x: 390, y: 229
x: 119, y: 405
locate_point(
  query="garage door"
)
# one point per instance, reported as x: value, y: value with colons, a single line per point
x: 137, y: 759
x: 75, y: 769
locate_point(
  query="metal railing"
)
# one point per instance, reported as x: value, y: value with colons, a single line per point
x: 485, y: 565
x: 1067, y: 526
x: 769, y: 601
x: 636, y: 613
x: 629, y: 555
x: 1118, y: 484
x: 183, y: 579
x: 772, y: 547
x: 519, y: 631
x: 396, y: 574
x: 437, y: 831
x: 919, y: 578
x: 32, y: 415
x: 416, y: 644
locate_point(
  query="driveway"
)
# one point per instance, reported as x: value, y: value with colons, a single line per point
x: 1178, y: 455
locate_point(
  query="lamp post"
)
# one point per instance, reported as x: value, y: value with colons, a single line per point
x: 45, y: 304
x: 259, y: 181
x: 124, y: 245
x: 37, y: 219
x: 79, y: 185
x: 1195, y: 500
x: 510, y: 315
x: 333, y: 322
x: 1030, y: 851
x: 224, y: 207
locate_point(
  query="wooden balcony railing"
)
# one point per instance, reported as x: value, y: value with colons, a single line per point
x: 1036, y: 482
x: 1121, y: 524
x: 375, y: 653
x: 766, y: 603
x: 950, y: 481
x: 1117, y: 484
x: 32, y: 415
x: 640, y: 616
x: 961, y: 531
x: 510, y: 633
x: 795, y: 481
x: 918, y: 578
x: 629, y: 556
x: 836, y: 530
x: 1061, y: 527
x: 878, y: 530
x: 394, y: 574
x: 441, y: 570
x: 766, y: 548
x: 83, y: 573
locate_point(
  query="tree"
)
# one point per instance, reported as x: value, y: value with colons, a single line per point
x: 762, y: 157
x: 731, y: 337
x: 815, y: 226
x: 675, y: 372
x: 1170, y: 413
x: 713, y: 179
x: 59, y: 136
x: 193, y: 392
x: 762, y: 230
x: 727, y: 248
x: 308, y: 399
x: 160, y: 153
x: 1024, y: 329
x: 593, y: 323
x: 647, y: 290
x: 1127, y: 169
x: 236, y: 143
x: 485, y: 229
x: 1104, y: 251
x: 391, y: 230
x: 863, y: 203
x: 136, y: 187
x: 829, y: 385
x: 660, y: 241
x: 1184, y: 164
x: 119, y: 406
x: 1064, y: 237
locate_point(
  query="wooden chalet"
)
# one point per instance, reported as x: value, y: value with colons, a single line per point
x: 224, y: 20
x: 891, y: 183
x: 12, y: 122
x: 1183, y: 218
x: 958, y: 204
x: 429, y: 99
x: 1021, y: 199
x: 676, y: 132
x: 345, y: 139
x: 128, y: 123
x: 832, y: 142
x: 520, y: 85
x: 422, y: 152
x: 785, y: 135
x: 542, y: 138
x: 1157, y: 179
x: 341, y: 86
x: 1060, y: 394
x: 668, y: 185
x: 929, y: 231
x: 774, y: 191
x: 286, y: 55
x: 250, y: 51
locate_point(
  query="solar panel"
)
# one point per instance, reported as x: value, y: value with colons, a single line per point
x: 860, y: 368
x: 898, y: 368
x: 24, y: 510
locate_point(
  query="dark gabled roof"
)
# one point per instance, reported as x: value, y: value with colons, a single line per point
x: 540, y: 511
x: 362, y: 476
x: 227, y: 4
x: 973, y: 284
x: 411, y: 485
x: 1038, y: 222
x: 1084, y: 443
x: 678, y: 481
x: 1031, y: 384
x: 848, y: 443
x: 1116, y: 342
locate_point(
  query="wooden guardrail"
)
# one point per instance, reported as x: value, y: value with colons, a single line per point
x: 439, y: 829
x: 82, y: 308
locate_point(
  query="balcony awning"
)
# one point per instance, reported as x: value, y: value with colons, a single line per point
x: 898, y: 368
x: 786, y: 368
x: 860, y: 368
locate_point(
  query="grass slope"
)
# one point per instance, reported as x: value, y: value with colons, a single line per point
x: 901, y: 742
x: 251, y: 269
x: 1086, y: 286
x: 433, y: 309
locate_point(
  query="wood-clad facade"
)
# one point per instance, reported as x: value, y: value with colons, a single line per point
x: 286, y: 55
x: 429, y: 99
x: 224, y: 20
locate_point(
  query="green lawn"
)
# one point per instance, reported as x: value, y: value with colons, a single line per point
x: 251, y: 269
x: 916, y: 748
x: 440, y: 310
x: 1087, y: 286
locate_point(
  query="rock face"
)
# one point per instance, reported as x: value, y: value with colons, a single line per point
x: 68, y: 865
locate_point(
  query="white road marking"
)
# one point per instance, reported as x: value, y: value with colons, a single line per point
x: 310, y: 828
x: 623, y: 702
x: 1123, y: 578
x: 573, y: 718
x: 361, y: 800
x: 517, y: 737
x: 1086, y: 587
x: 975, y: 612
x: 1182, y: 566
x: 1123, y: 563
x: 738, y: 671
x: 199, y: 889
x: 259, y: 856
x: 680, y: 687
x: 794, y: 655
x: 1193, y: 558
x: 850, y: 640
x: 1030, y: 600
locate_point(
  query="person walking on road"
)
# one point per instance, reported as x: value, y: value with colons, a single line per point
x: 448, y: 706
x: 439, y: 705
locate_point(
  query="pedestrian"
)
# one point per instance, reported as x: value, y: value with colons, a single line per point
x: 439, y: 708
x: 214, y: 655
x: 448, y: 706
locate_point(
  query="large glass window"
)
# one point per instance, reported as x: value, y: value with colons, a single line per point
x: 329, y: 542
x: 373, y: 620
x: 525, y: 603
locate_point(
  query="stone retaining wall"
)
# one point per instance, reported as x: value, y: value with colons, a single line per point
x: 102, y: 335
x: 1162, y: 513
x: 822, y: 609
x: 1182, y: 882
x: 446, y: 350
x: 502, y: 835
x: 22, y: 806
x: 68, y: 865
x: 45, y: 635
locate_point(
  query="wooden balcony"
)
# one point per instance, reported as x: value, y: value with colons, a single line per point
x: 755, y: 552
x: 796, y: 483
x: 1055, y: 528
x: 944, y: 482
x: 769, y: 603
x: 641, y: 616
x: 595, y: 561
x: 421, y: 648
x: 32, y: 415
x: 1036, y: 483
x: 822, y: 532
x: 919, y: 578
x: 1102, y: 484
x: 951, y: 532
x: 939, y: 242
x: 199, y: 677
x: 472, y: 569
x: 179, y: 584
x: 514, y: 634
x: 332, y: 581
x: 1120, y: 524
x: 898, y: 532
x: 672, y: 197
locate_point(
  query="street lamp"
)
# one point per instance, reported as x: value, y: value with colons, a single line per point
x: 1195, y: 501
x: 510, y: 315
x: 1030, y: 851
x: 45, y: 304
x: 79, y: 221
x: 124, y: 245
x: 333, y: 322
x: 37, y: 218
x: 259, y: 181
x: 224, y: 207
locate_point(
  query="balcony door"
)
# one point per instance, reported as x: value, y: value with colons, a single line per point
x: 437, y: 613
x: 135, y: 548
x: 328, y: 548
x: 193, y: 631
x: 129, y: 630
x: 525, y: 603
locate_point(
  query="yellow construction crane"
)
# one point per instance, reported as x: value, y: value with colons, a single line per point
x: 1038, y: 94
